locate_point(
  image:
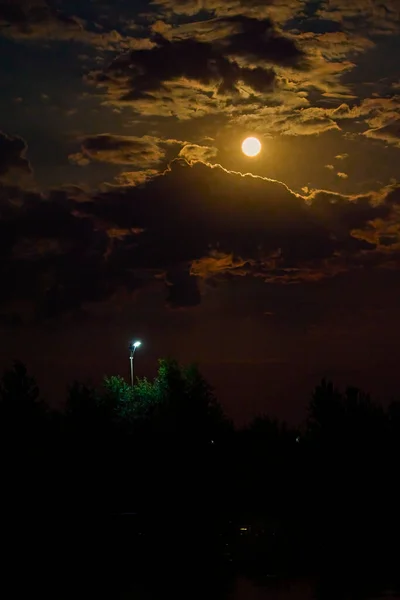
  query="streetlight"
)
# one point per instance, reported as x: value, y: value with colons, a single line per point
x: 132, y: 349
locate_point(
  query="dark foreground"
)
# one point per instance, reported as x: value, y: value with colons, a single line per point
x: 152, y: 486
x: 127, y: 556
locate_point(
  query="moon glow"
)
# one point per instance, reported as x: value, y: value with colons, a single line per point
x: 251, y: 147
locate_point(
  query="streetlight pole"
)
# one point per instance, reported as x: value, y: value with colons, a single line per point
x: 132, y: 358
x: 132, y: 349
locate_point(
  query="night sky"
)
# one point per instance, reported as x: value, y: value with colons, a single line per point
x: 127, y: 209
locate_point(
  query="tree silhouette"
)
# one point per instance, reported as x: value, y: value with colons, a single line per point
x: 82, y: 404
x: 23, y: 437
x: 326, y: 412
x: 182, y: 404
x: 166, y: 451
x: 19, y: 396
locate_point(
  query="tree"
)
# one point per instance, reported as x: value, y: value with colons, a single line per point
x: 325, y: 411
x: 348, y: 420
x: 117, y: 389
x: 23, y: 438
x: 206, y: 413
x: 126, y: 404
x: 82, y: 406
x: 20, y: 397
x: 184, y: 403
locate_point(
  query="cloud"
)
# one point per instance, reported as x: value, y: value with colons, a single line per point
x: 240, y: 224
x: 40, y: 20
x: 389, y: 133
x: 133, y: 178
x: 146, y: 156
x: 119, y: 150
x: 239, y: 36
x: 382, y: 115
x: 260, y: 41
x: 153, y: 76
x: 279, y: 10
x: 191, y: 71
x: 276, y: 67
x: 376, y: 18
x: 289, y: 119
x: 53, y: 261
x: 281, y: 67
x: 320, y: 42
x: 194, y: 152
x: 65, y: 251
x: 183, y: 289
x: 36, y: 19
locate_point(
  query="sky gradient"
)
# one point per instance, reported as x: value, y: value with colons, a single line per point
x: 127, y: 208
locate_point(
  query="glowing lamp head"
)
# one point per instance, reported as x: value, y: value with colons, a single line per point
x: 251, y: 147
x: 133, y: 346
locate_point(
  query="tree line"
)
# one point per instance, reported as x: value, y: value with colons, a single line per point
x: 163, y: 463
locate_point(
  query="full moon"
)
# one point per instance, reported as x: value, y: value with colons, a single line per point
x: 251, y: 147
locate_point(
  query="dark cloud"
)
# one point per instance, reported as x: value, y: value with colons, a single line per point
x: 183, y: 289
x: 217, y: 222
x: 372, y: 15
x: 382, y: 115
x: 40, y: 20
x: 196, y: 69
x: 274, y: 68
x: 389, y: 133
x: 240, y: 36
x: 35, y: 18
x: 258, y: 39
x: 53, y: 261
x: 121, y: 150
x: 281, y: 10
x: 62, y: 253
x: 325, y: 37
x: 137, y: 74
